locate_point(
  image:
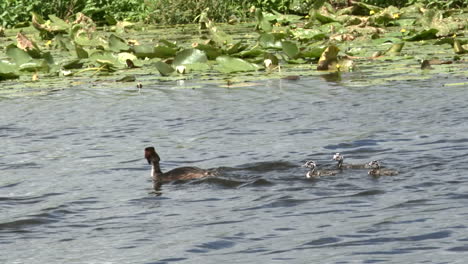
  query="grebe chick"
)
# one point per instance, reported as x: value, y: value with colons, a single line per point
x: 182, y: 173
x: 313, y: 172
x: 340, y: 159
x: 377, y: 170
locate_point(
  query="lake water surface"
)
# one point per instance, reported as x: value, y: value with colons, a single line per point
x: 75, y: 188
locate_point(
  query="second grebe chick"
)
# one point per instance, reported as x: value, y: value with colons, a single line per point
x: 377, y: 170
x: 313, y: 172
x: 182, y: 173
x: 340, y: 159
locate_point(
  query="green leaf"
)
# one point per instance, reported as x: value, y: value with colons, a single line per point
x: 228, y: 64
x: 127, y: 78
x: 164, y: 68
x: 190, y: 56
x: 81, y: 53
x: 19, y: 56
x: 7, y: 71
x: 117, y: 44
x: 268, y: 40
x: 35, y: 65
x: 290, y: 49
x: 150, y: 51
x: 164, y: 51
x: 72, y: 64
x: 328, y: 57
x: 425, y: 34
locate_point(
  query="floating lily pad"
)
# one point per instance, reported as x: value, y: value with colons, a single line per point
x: 190, y: 56
x: 164, y: 68
x: 425, y: 34
x: 117, y: 44
x: 228, y: 64
x: 290, y: 49
x: 19, y: 56
x: 7, y: 71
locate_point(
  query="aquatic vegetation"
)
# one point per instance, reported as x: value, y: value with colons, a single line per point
x: 361, y: 38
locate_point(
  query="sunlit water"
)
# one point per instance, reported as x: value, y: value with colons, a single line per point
x: 74, y: 187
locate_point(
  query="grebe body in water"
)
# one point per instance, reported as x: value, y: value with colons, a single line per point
x: 377, y: 170
x: 340, y: 159
x: 314, y: 172
x: 182, y: 173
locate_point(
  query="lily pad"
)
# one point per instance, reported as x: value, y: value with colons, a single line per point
x: 290, y: 49
x: 164, y: 68
x: 190, y: 56
x: 7, y: 71
x: 228, y: 64
x: 328, y: 57
x: 425, y: 34
x: 19, y: 56
x: 117, y: 44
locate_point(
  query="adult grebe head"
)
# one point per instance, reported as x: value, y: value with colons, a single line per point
x: 151, y: 155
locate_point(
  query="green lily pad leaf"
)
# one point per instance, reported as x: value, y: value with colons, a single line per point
x: 58, y: 23
x: 457, y: 47
x: 124, y: 56
x: 127, y: 78
x: 395, y: 48
x: 164, y: 51
x: 144, y: 51
x: 190, y: 56
x: 323, y: 19
x: 313, y: 53
x: 35, y: 65
x: 7, y: 71
x: 150, y: 51
x: 210, y: 50
x: 19, y: 56
x: 168, y: 43
x: 164, y: 68
x: 309, y: 34
x: 263, y: 24
x: 228, y: 64
x: 48, y: 28
x: 106, y: 58
x: 252, y: 53
x: 290, y: 49
x: 198, y: 67
x: 328, y: 57
x: 72, y: 64
x: 81, y: 53
x: 425, y: 34
x: 268, y: 40
x: 236, y: 48
x: 64, y: 42
x: 117, y: 44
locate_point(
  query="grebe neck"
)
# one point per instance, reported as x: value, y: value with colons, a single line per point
x: 156, y: 173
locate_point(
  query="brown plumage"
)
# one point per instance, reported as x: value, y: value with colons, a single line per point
x: 182, y: 173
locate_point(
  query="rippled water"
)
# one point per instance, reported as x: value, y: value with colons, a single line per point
x: 76, y: 189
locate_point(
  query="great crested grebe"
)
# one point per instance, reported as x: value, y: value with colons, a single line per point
x: 377, y: 170
x: 313, y: 172
x: 182, y: 173
x: 340, y: 159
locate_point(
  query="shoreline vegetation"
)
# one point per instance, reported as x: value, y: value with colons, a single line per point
x: 122, y: 39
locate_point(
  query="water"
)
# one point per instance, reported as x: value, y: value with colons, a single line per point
x: 75, y: 187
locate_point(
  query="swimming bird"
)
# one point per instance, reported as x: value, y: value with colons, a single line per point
x: 340, y: 159
x: 313, y: 172
x: 377, y: 170
x: 182, y: 173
